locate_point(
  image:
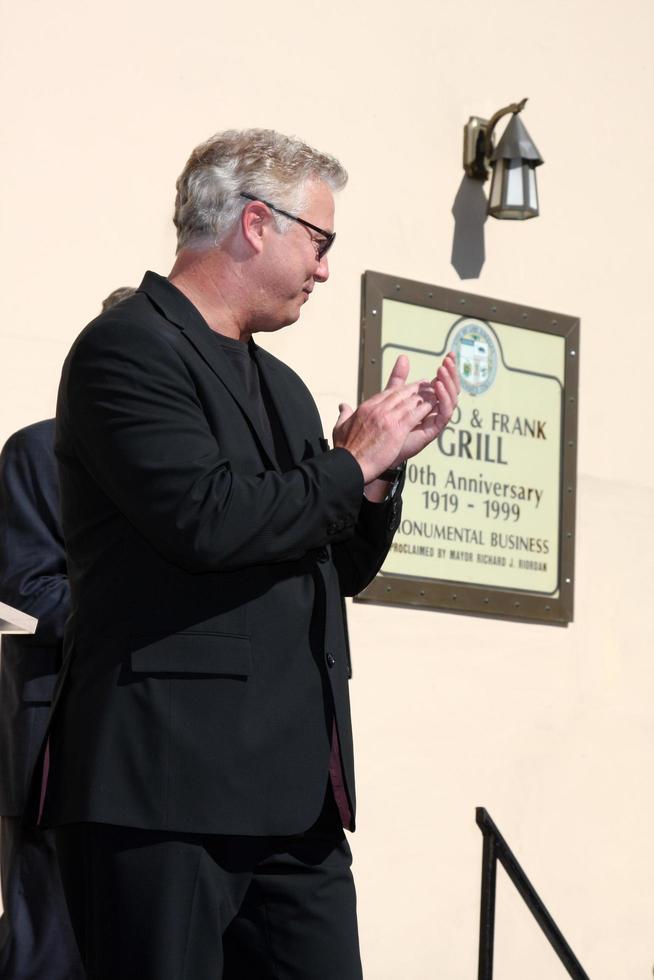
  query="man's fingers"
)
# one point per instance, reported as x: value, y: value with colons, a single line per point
x: 389, y: 399
x: 428, y: 392
x: 450, y: 365
x: 400, y: 372
x: 414, y: 410
x: 345, y: 411
x: 449, y: 382
x: 430, y: 428
x: 447, y: 385
x: 445, y: 402
x: 423, y: 410
x: 447, y: 373
x: 448, y: 369
x: 406, y: 393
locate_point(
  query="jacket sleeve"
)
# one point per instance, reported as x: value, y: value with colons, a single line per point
x: 131, y: 413
x: 359, y: 559
x: 32, y: 557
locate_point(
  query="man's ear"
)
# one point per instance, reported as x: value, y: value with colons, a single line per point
x: 255, y: 217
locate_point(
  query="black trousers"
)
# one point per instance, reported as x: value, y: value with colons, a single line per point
x: 153, y: 905
x: 37, y: 939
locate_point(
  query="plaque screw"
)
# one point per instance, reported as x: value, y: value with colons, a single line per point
x: 567, y: 581
x: 431, y: 295
x: 524, y: 316
x: 517, y: 605
x: 388, y: 588
x: 454, y: 597
x: 398, y: 288
x: 372, y: 360
x: 486, y: 601
x: 493, y: 309
x: 572, y: 353
x: 374, y: 312
x: 422, y: 592
x: 547, y: 609
x: 555, y: 323
x: 462, y: 301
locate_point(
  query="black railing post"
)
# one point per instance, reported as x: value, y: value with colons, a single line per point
x: 487, y: 914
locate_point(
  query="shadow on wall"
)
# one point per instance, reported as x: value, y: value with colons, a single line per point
x: 469, y: 210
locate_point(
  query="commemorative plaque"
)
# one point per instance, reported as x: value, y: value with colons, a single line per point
x: 488, y: 521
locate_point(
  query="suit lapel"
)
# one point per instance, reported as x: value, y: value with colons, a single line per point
x: 180, y: 311
x: 290, y: 402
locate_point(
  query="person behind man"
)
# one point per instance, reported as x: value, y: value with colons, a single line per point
x: 201, y: 753
x: 117, y: 296
x: 37, y: 940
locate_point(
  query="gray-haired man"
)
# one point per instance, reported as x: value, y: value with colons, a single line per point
x: 211, y: 535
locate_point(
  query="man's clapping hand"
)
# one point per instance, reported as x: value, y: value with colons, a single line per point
x: 400, y: 421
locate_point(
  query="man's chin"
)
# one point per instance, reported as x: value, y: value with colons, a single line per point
x: 295, y: 310
x: 290, y: 315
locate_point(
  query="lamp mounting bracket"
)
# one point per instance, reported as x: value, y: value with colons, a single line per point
x: 478, y: 140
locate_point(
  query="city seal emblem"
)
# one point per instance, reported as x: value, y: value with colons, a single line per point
x: 476, y: 357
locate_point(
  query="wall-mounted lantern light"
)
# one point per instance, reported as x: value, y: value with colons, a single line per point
x: 513, y: 162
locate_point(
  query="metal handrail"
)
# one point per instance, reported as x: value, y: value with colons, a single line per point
x: 496, y: 849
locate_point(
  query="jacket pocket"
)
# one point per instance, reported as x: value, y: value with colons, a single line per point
x: 39, y: 688
x: 192, y: 653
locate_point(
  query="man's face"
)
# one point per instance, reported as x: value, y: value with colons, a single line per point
x: 292, y: 266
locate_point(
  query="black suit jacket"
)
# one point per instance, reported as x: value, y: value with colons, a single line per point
x: 206, y: 656
x: 33, y: 579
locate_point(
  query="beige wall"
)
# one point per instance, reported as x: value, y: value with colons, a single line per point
x: 550, y: 729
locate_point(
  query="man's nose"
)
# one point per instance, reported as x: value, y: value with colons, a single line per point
x: 322, y: 272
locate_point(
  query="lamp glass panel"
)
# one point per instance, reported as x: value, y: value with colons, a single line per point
x: 514, y: 196
x: 496, y: 184
x: 533, y: 193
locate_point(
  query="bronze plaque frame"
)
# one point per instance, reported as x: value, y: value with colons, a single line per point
x: 464, y: 597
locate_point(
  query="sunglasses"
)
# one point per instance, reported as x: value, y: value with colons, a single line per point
x: 323, y: 244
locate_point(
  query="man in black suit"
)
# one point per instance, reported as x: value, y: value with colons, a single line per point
x: 201, y: 756
x: 38, y: 942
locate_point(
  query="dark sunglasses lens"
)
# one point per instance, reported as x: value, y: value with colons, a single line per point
x: 324, y: 246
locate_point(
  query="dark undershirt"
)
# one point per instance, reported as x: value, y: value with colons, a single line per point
x: 258, y: 402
